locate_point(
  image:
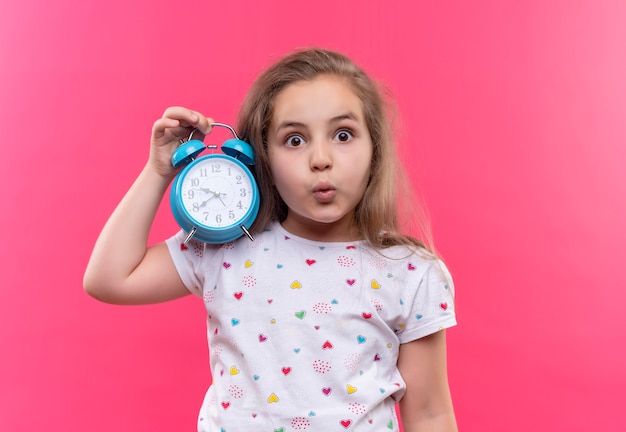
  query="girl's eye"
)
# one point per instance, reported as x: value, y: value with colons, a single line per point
x: 344, y: 135
x: 294, y: 141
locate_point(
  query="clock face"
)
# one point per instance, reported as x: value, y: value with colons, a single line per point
x: 217, y: 192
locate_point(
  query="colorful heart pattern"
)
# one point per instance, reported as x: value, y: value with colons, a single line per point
x: 327, y: 311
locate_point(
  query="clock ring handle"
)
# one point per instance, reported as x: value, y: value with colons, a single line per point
x: 190, y: 135
x: 224, y: 125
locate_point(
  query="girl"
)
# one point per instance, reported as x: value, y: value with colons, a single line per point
x: 330, y: 316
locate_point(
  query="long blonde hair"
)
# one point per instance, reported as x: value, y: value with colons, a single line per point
x: 377, y: 215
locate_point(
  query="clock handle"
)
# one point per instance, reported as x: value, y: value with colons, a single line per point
x: 224, y: 125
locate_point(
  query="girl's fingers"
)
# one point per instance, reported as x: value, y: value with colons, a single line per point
x: 162, y: 125
x: 186, y: 117
x: 182, y: 121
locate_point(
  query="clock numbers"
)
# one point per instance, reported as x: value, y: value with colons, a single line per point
x: 217, y: 193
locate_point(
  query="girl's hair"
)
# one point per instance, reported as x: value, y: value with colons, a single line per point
x: 376, y: 216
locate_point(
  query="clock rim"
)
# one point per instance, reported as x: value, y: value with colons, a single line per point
x: 205, y: 233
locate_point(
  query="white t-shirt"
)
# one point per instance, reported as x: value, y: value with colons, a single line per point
x: 304, y: 335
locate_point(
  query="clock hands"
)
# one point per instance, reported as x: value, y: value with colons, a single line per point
x: 215, y: 194
x: 203, y: 203
x: 205, y: 190
x: 219, y: 195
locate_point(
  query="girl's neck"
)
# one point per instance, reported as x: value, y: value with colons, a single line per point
x: 340, y: 231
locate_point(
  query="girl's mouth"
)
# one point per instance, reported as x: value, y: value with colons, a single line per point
x: 324, y: 192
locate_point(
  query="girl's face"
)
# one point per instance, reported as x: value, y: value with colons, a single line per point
x: 320, y: 154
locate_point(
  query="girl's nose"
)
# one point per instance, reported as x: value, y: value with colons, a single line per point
x: 321, y: 158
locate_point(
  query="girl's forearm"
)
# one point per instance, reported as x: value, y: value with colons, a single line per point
x: 445, y: 422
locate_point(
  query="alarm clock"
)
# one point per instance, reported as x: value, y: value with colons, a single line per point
x: 214, y: 198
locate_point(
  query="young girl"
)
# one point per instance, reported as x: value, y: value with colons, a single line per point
x: 330, y: 316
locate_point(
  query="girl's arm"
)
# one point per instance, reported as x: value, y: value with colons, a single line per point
x: 122, y: 268
x: 427, y: 404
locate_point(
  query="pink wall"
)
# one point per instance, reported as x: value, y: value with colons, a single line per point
x: 514, y: 126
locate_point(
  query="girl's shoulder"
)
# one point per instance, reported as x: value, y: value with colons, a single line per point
x: 410, y: 265
x: 403, y: 255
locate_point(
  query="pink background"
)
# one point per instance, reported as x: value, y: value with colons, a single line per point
x: 514, y: 129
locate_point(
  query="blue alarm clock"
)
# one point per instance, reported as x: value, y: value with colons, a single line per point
x: 214, y: 198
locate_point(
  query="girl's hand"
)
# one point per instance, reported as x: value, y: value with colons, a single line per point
x: 175, y: 125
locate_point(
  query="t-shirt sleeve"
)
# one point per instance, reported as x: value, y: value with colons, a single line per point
x: 428, y: 302
x: 188, y: 261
